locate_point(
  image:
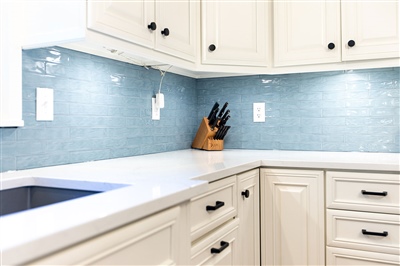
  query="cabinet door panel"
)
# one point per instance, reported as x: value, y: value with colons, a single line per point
x: 238, y: 29
x: 292, y: 218
x: 248, y: 213
x: 124, y: 19
x: 374, y: 26
x: 180, y: 17
x: 303, y: 30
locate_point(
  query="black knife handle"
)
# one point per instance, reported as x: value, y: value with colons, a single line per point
x: 219, y: 132
x: 225, y: 115
x: 216, y: 105
x: 214, y: 123
x: 226, y: 131
x: 365, y: 232
x: 218, y: 204
x: 223, y: 244
x: 372, y: 193
x: 223, y: 109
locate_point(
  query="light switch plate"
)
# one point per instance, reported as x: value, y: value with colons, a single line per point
x: 44, y: 104
x: 258, y: 112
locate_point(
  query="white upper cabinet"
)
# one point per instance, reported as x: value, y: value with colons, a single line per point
x: 314, y: 32
x: 11, y: 65
x: 48, y: 23
x: 127, y: 20
x: 234, y: 32
x: 373, y: 26
x: 166, y: 26
x: 306, y: 32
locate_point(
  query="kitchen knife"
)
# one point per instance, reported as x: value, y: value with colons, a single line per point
x: 213, y: 117
x: 216, y: 105
x: 225, y: 131
x: 222, y: 110
x: 219, y: 133
x: 226, y: 114
x: 214, y: 122
x: 223, y: 121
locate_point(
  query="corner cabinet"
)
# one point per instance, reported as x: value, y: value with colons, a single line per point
x: 160, y: 239
x: 166, y: 26
x: 234, y: 32
x: 292, y: 217
x: 326, y: 31
x: 225, y: 222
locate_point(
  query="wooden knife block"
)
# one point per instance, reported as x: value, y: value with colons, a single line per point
x: 204, y: 138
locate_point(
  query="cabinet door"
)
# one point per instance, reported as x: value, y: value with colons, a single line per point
x: 160, y: 239
x: 248, y: 213
x: 180, y: 17
x: 237, y: 30
x: 48, y: 23
x: 303, y: 30
x: 124, y: 19
x: 292, y: 217
x: 374, y: 28
x: 10, y: 64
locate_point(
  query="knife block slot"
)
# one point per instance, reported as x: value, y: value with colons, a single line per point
x: 204, y: 138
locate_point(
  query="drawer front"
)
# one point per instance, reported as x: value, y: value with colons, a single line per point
x: 218, y: 248
x: 340, y: 256
x: 374, y: 232
x: 363, y: 191
x: 221, y: 202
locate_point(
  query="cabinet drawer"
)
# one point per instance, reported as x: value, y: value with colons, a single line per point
x: 356, y: 230
x: 340, y: 256
x: 221, y: 202
x: 218, y: 248
x: 363, y: 191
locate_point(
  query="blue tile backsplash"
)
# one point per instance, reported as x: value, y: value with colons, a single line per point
x: 102, y: 110
x: 327, y: 111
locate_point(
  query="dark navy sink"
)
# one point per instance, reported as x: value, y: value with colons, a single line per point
x: 29, y: 197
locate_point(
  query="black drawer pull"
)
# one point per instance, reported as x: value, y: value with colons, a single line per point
x: 364, y: 192
x: 224, y: 245
x: 365, y: 232
x: 246, y: 193
x: 218, y: 204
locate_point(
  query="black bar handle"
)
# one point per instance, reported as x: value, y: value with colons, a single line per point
x: 218, y: 204
x: 365, y: 232
x: 224, y: 245
x: 364, y: 192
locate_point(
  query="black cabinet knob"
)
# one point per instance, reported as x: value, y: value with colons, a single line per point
x: 331, y: 46
x: 246, y: 193
x: 165, y: 32
x: 212, y: 47
x: 152, y: 26
x: 351, y: 43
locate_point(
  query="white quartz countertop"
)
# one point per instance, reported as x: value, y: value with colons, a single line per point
x: 151, y: 183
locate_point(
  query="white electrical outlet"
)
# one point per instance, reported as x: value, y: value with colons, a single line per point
x: 258, y: 112
x: 44, y: 104
x: 155, y: 111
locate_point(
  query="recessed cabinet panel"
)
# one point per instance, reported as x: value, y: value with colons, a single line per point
x: 306, y: 32
x: 292, y: 217
x: 127, y: 20
x: 179, y: 18
x: 374, y: 28
x: 340, y: 256
x: 234, y: 32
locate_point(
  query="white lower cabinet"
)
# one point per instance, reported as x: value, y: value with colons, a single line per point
x: 160, y: 239
x: 224, y: 222
x: 292, y: 217
x: 362, y: 218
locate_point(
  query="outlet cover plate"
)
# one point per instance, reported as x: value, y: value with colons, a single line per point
x: 258, y: 112
x: 155, y: 111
